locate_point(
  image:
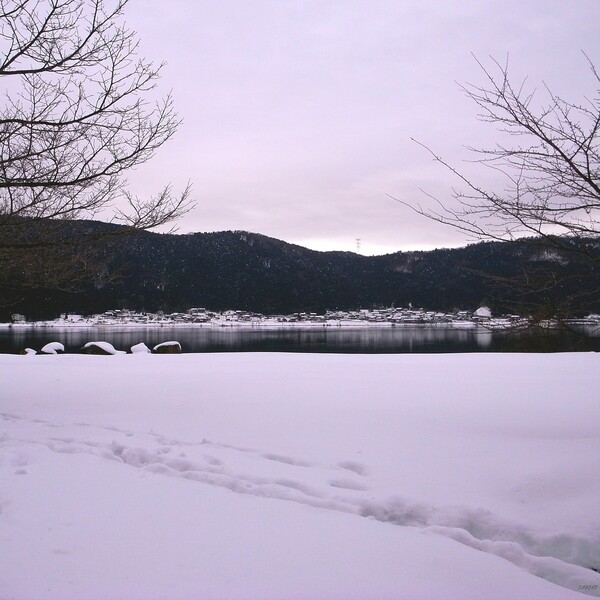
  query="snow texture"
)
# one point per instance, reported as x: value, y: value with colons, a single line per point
x: 241, y: 476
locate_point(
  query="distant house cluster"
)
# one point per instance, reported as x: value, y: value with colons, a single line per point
x: 203, y: 316
x: 390, y: 316
x: 331, y: 318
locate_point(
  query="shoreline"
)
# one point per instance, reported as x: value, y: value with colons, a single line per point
x: 272, y: 324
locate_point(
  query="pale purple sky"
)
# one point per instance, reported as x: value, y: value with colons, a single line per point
x: 298, y: 114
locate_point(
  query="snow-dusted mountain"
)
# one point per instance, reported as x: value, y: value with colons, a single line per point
x: 248, y: 271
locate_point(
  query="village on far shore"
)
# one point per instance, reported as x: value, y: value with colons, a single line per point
x: 332, y: 318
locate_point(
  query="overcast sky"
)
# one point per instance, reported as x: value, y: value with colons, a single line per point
x: 298, y: 114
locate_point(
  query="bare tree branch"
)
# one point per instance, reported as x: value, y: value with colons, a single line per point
x: 77, y: 114
x: 552, y: 169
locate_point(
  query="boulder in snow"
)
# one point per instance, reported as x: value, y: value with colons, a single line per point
x: 52, y: 348
x: 140, y: 348
x: 100, y: 348
x: 167, y: 348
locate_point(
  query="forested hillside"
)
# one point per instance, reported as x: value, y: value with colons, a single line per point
x: 247, y: 271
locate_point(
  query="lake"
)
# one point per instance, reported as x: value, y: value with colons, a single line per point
x: 350, y: 340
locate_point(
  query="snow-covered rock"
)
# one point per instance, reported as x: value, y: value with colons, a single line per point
x: 52, y: 348
x: 167, y: 348
x: 140, y: 348
x: 101, y: 348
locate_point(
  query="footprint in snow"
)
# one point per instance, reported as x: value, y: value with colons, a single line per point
x: 348, y: 484
x: 355, y: 467
x: 287, y: 460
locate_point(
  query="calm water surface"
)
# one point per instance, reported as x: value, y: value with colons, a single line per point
x: 369, y: 340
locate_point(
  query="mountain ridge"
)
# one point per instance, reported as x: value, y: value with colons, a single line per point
x: 243, y: 270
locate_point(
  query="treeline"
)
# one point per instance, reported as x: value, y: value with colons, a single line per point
x: 252, y: 272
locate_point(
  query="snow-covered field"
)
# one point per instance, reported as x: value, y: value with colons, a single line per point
x: 300, y: 476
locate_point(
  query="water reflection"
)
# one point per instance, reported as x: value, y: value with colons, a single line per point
x: 325, y: 339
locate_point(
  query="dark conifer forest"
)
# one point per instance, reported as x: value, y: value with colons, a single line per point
x: 252, y: 272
